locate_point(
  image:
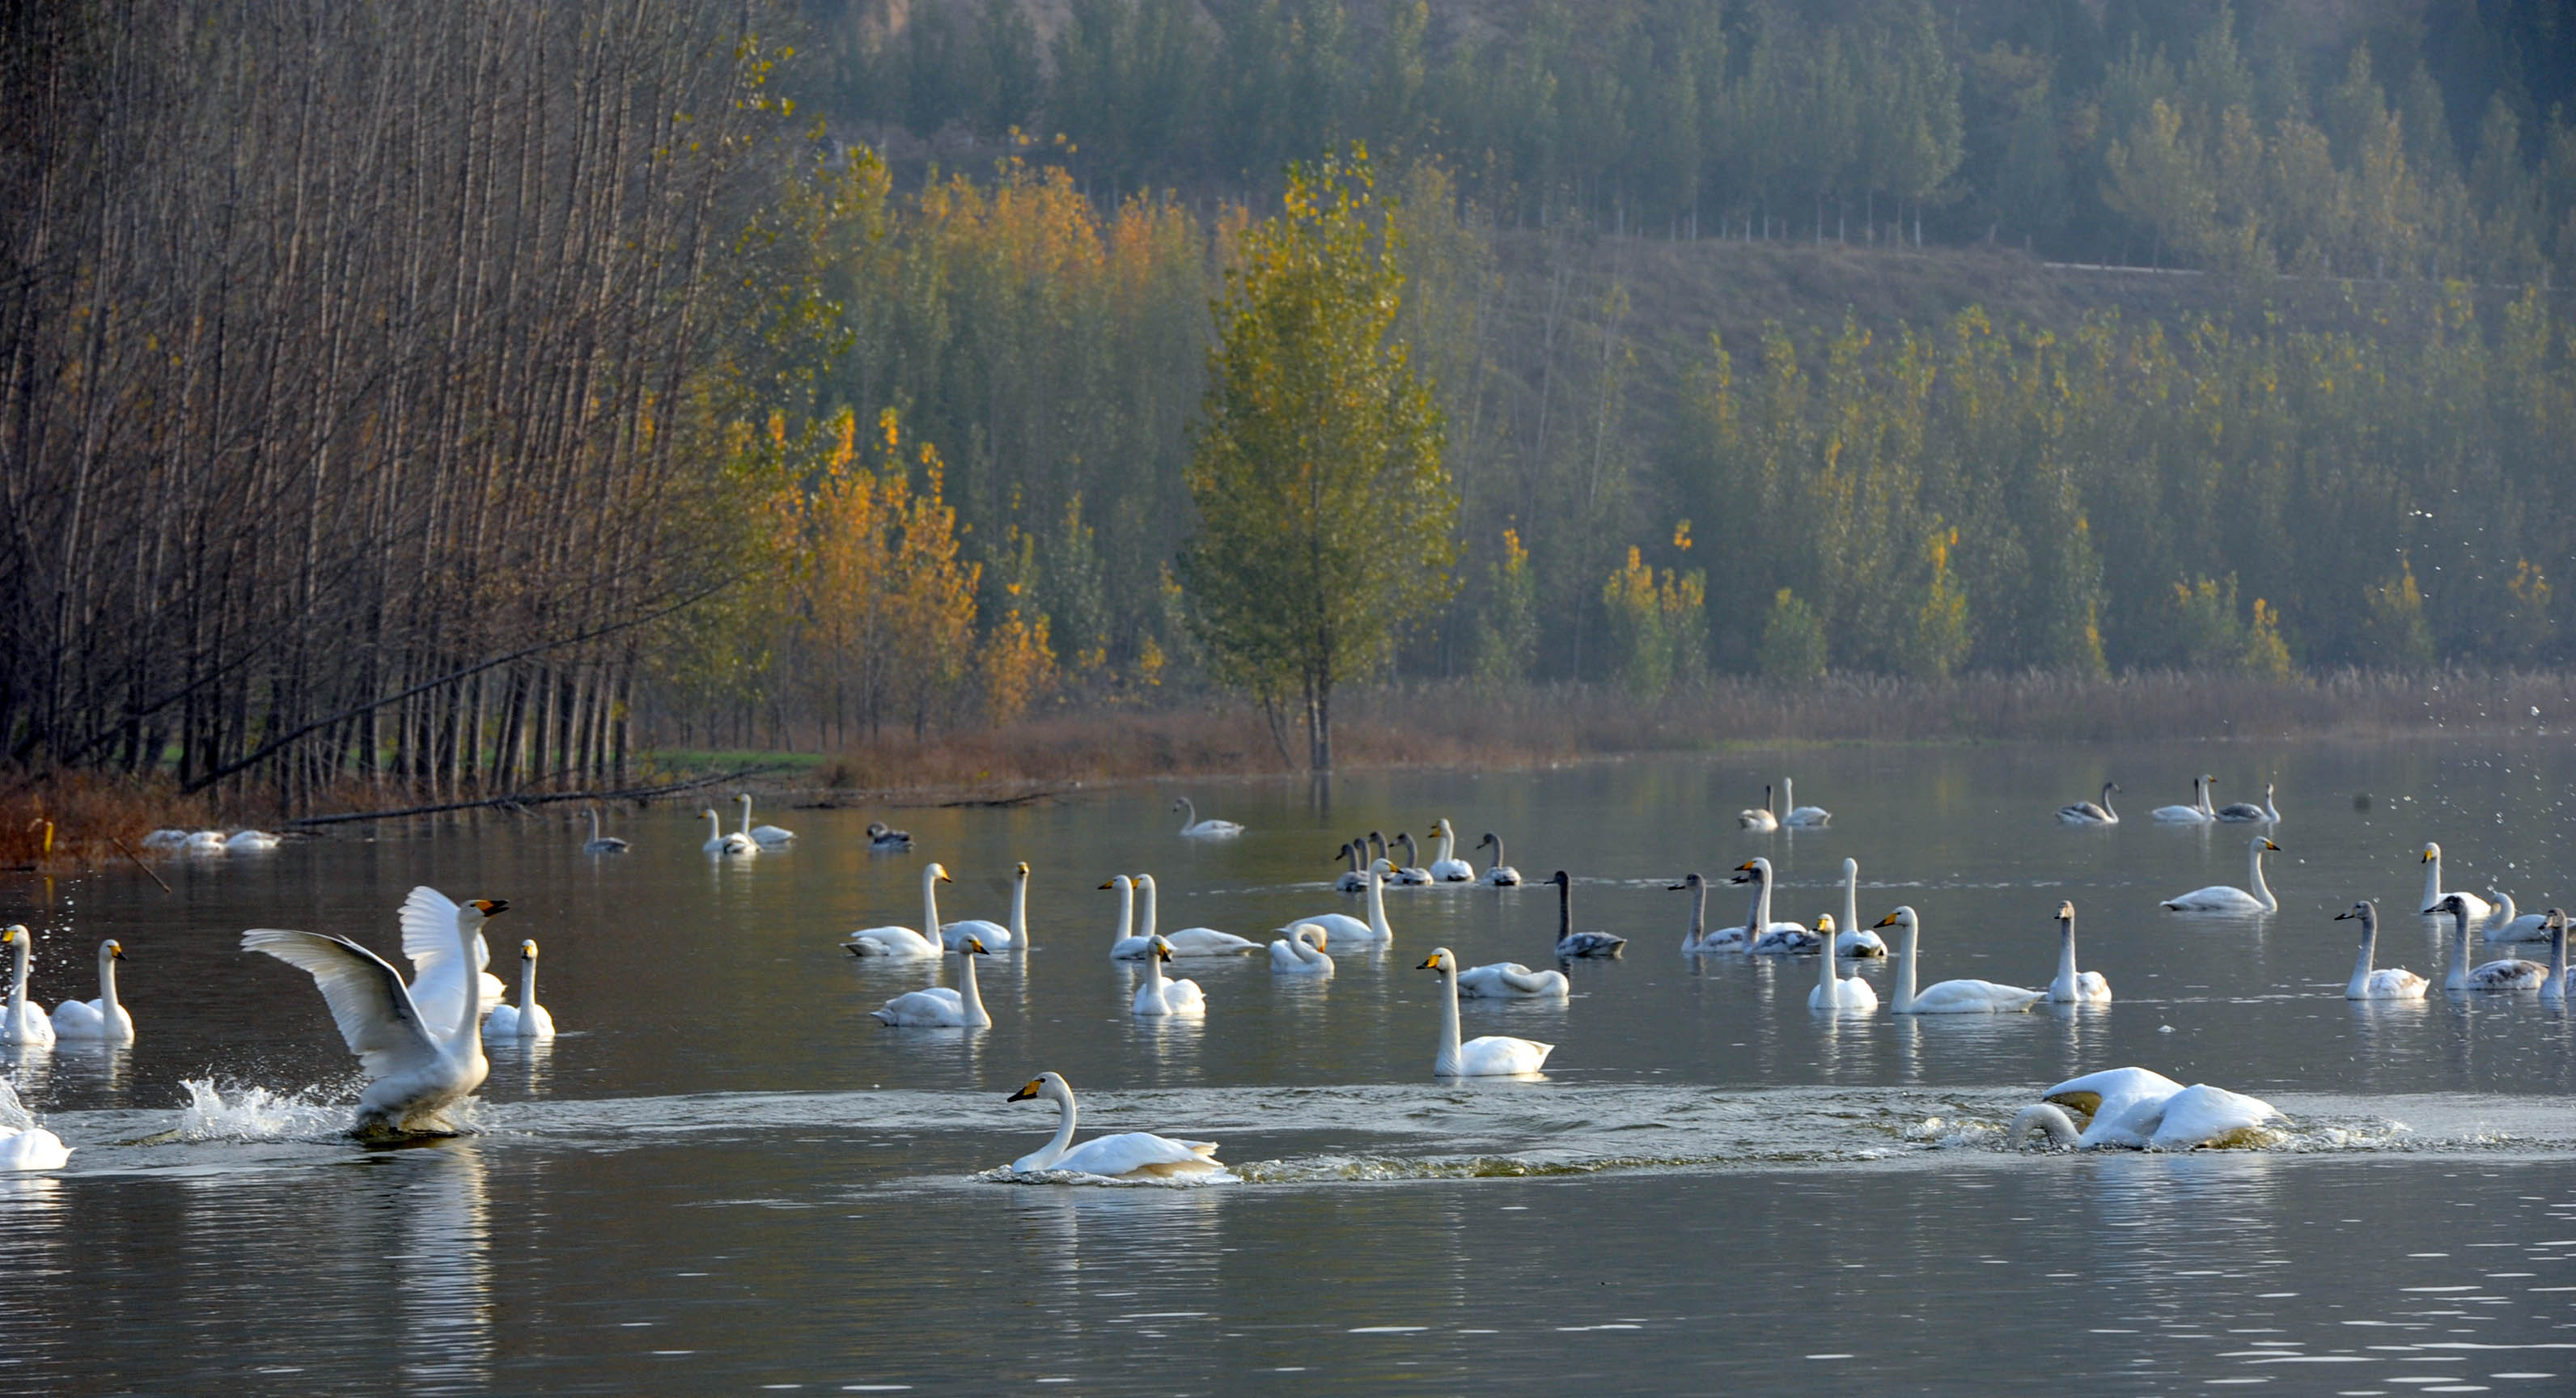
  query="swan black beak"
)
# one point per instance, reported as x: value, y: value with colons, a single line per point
x: 975, y: 947
x: 1430, y: 964
x: 1025, y: 1093
x: 2276, y: 849
x: 1675, y: 887
x: 2347, y: 913
x: 1107, y: 886
x: 2428, y: 912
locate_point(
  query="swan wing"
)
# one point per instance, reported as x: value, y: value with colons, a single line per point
x: 1139, y: 1153
x: 375, y: 1011
x: 438, y: 972
x: 33, y: 1148
x: 1974, y: 997
x: 993, y: 935
x: 79, y: 1019
x: 1859, y: 943
x: 1207, y: 941
x: 2511, y: 973
x: 1591, y: 944
x: 890, y: 941
x: 1498, y: 1054
x: 1337, y: 927
x: 2217, y: 898
x: 2201, y: 1115
x: 938, y: 1007
x: 2393, y: 983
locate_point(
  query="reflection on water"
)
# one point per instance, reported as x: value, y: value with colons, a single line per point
x: 442, y: 1253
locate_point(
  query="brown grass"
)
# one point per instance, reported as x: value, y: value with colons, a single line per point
x: 87, y: 812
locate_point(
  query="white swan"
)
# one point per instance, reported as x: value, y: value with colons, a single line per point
x: 994, y: 935
x: 2509, y: 973
x: 1126, y: 1154
x: 2383, y: 983
x: 165, y: 838
x: 2508, y: 924
x: 2092, y: 812
x: 2219, y: 898
x: 438, y: 979
x: 2241, y: 812
x: 1489, y: 1055
x: 1124, y: 944
x: 23, y: 1022
x: 1192, y: 941
x: 902, y: 943
x: 1510, y: 980
x: 1210, y: 829
x: 526, y: 1020
x: 765, y: 836
x: 722, y: 842
x: 417, y: 1066
x: 252, y: 841
x: 1854, y: 939
x: 104, y: 1017
x: 1160, y: 995
x: 2073, y: 987
x: 204, y: 842
x: 598, y: 843
x: 1302, y: 952
x: 1805, y: 817
x: 2553, y: 990
x: 32, y: 1148
x: 884, y: 837
x: 1760, y: 818
x: 1346, y: 928
x: 1501, y: 875
x: 940, y: 1007
x: 2197, y: 813
x: 1571, y: 944
x: 1351, y: 880
x: 1959, y: 997
x: 1760, y: 934
x: 2137, y: 1109
x: 1834, y: 991
x: 2479, y: 910
x: 1448, y: 867
x: 1408, y: 873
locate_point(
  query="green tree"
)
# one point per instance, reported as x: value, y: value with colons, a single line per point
x: 1793, y: 641
x: 1325, y: 513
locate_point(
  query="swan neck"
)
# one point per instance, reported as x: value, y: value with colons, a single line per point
x: 18, y: 979
x: 1498, y: 851
x: 746, y: 815
x: 2106, y: 802
x: 1020, y: 910
x: 2556, y: 985
x: 2459, y: 976
x: 1699, y: 912
x: 469, y: 1019
x: 2254, y: 874
x: 972, y: 998
x: 2361, y: 963
x: 1565, y: 910
x: 1189, y: 814
x: 1154, y: 970
x: 2203, y: 788
x: 2066, y: 956
x: 1825, y: 972
x: 1147, y: 932
x: 1762, y: 899
x: 527, y: 987
x: 1851, y: 894
x: 107, y: 987
x: 1377, y: 904
x: 930, y: 906
x: 1448, y: 1060
x: 2432, y: 882
x: 1126, y: 912
x: 1904, y: 973
x: 1064, y: 1115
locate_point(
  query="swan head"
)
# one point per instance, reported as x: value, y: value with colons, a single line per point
x: 876, y: 828
x: 2265, y: 845
x: 936, y: 873
x: 710, y: 813
x: 1381, y: 867
x: 16, y: 933
x: 1312, y: 934
x: 1904, y: 915
x: 115, y: 952
x: 2451, y: 903
x: 481, y: 908
x: 2066, y: 910
x: 1118, y: 881
x: 1488, y: 840
x: 1440, y: 960
x: 1750, y: 870
x: 1824, y: 924
x: 2431, y: 853
x: 528, y: 950
x: 1561, y: 879
x: 2363, y: 910
x: 1022, y: 871
x: 1162, y: 948
x: 1688, y: 881
x: 1051, y: 1086
x: 974, y: 947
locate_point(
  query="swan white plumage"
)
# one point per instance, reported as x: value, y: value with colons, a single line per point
x: 2381, y: 983
x: 1501, y: 875
x: 1192, y: 941
x: 2138, y: 1109
x: 1302, y: 952
x: 1959, y: 997
x: 204, y: 842
x: 2242, y: 812
x: 940, y: 1007
x: 903, y: 943
x: 32, y: 1148
x: 2506, y: 974
x: 1759, y: 818
x: 1571, y: 944
x: 1161, y: 995
x: 2197, y: 813
x: 1109, y: 1157
x: 1805, y: 817
x: 1510, y: 980
x: 23, y: 1022
x: 1209, y: 829
x: 1447, y: 867
x: 2073, y: 987
x: 102, y: 1018
x: 1351, y: 880
x: 1835, y: 991
x: 2553, y: 990
x: 598, y: 843
x: 526, y: 1020
x: 417, y: 1066
x: 252, y: 841
x: 2219, y: 898
x: 765, y: 836
x: 2508, y: 924
x: 1346, y: 928
x: 2479, y: 911
x: 438, y: 978
x: 1759, y: 933
x: 1854, y: 939
x: 1408, y: 873
x: 1490, y: 1055
x: 994, y: 935
x: 2092, y: 812
x: 723, y: 842
x: 1124, y: 944
x: 884, y: 837
x: 165, y: 838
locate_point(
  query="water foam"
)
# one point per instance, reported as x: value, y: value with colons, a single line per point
x: 254, y: 1113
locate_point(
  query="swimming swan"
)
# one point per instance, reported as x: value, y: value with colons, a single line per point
x: 1448, y: 867
x: 1302, y: 952
x: 884, y: 837
x: 1960, y: 997
x: 1760, y: 819
x: 1408, y: 873
x: 1696, y: 885
x: 1351, y: 879
x: 994, y: 935
x: 2073, y: 987
x: 1192, y: 941
x: 252, y: 841
x: 940, y: 1007
x: 1510, y: 980
x: 2197, y: 813
x: 1127, y: 1154
x: 1570, y: 943
x: 2240, y: 812
x: 1759, y: 933
x: 32, y: 1148
x: 723, y: 842
x: 1805, y: 817
x: 1197, y: 829
x: 437, y: 977
x: 1346, y: 928
x: 2511, y: 925
x: 2219, y: 898
x: 1835, y: 991
x: 1491, y: 1055
x: 1160, y: 996
x: 2553, y: 990
x: 765, y: 836
x: 417, y: 1066
x: 2135, y: 1109
x: 2386, y: 982
x: 2509, y: 973
x: 598, y: 843
x: 1501, y: 875
x: 1854, y: 939
x: 902, y: 943
x: 2479, y: 911
x: 526, y: 1020
x: 23, y: 1022
x: 104, y: 1017
x: 2090, y: 812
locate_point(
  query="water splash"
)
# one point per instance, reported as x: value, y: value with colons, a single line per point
x: 1004, y: 1174
x: 14, y: 1115
x: 253, y: 1113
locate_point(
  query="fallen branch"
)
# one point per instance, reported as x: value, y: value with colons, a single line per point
x: 525, y: 799
x: 138, y: 862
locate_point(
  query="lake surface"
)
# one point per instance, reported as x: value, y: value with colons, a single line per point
x: 725, y: 1177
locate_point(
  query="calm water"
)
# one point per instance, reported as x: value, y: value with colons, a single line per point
x: 724, y: 1177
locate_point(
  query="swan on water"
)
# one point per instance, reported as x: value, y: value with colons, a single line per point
x: 1834, y: 990
x: 204, y: 842
x: 2219, y: 898
x: 994, y: 935
x: 1448, y: 867
x: 1759, y: 933
x: 165, y: 838
x: 598, y: 843
x: 104, y: 1017
x: 526, y: 1019
x: 2479, y: 911
x: 1408, y: 873
x: 765, y: 836
x: 1854, y: 939
x: 1124, y: 944
x: 903, y: 943
x: 27, y: 1147
x: 721, y: 841
x: 1166, y: 996
x: 1490, y: 1055
x: 1696, y: 885
x: 1501, y: 875
x: 422, y: 1054
x: 2508, y: 924
x: 1129, y: 1153
x: 2508, y: 973
x: 1302, y: 952
x: 1805, y: 817
x: 2197, y: 813
x: 1351, y: 880
x: 24, y: 1021
x: 2240, y: 812
x: 1191, y: 941
x: 940, y: 1007
x: 2135, y: 1109
x: 1761, y: 818
x: 1571, y: 944
x: 252, y: 841
x: 2383, y: 983
x: 1959, y: 997
x: 1197, y: 829
x: 2553, y: 989
x: 2073, y: 987
x: 884, y: 837
x: 1510, y: 980
x: 2092, y: 812
x: 1346, y: 928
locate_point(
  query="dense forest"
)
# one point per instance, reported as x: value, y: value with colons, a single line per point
x: 462, y: 398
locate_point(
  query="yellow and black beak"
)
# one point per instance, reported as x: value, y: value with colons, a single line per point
x: 492, y: 907
x: 1429, y: 964
x: 2276, y: 849
x: 1107, y: 884
x: 975, y: 947
x: 1027, y: 1092
x: 1887, y: 921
